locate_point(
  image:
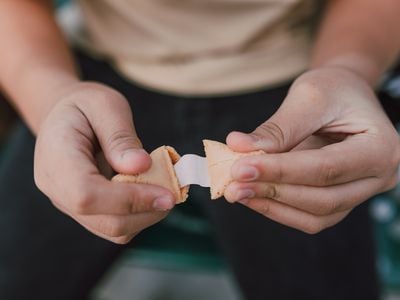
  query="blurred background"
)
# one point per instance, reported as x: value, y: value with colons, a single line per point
x: 178, y: 258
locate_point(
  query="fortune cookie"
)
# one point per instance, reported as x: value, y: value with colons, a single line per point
x: 220, y: 159
x: 161, y: 173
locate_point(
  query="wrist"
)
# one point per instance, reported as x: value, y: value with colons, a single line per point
x: 359, y: 65
x: 48, y: 97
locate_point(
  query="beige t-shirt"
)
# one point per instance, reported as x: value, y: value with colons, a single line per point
x: 202, y: 47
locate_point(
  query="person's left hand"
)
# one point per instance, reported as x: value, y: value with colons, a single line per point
x: 329, y: 147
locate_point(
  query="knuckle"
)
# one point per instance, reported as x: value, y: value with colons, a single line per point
x: 376, y: 165
x: 39, y: 182
x: 230, y: 194
x: 389, y: 148
x: 274, y: 170
x: 265, y: 208
x: 307, y: 88
x: 123, y: 140
x: 274, y: 132
x: 391, y: 183
x: 83, y: 201
x: 97, y: 92
x: 395, y: 159
x: 138, y: 203
x: 112, y: 227
x: 135, y: 206
x: 327, y: 207
x: 41, y: 179
x: 270, y: 191
x: 329, y: 172
x: 122, y: 240
x: 396, y: 152
x: 313, y: 227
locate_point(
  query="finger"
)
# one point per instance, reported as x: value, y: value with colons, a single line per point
x: 72, y: 178
x: 292, y: 123
x: 352, y: 159
x: 117, y: 229
x: 293, y: 217
x: 95, y: 195
x: 118, y: 226
x: 315, y: 200
x: 114, y: 128
x: 65, y: 210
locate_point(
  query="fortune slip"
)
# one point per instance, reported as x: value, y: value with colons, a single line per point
x: 192, y: 169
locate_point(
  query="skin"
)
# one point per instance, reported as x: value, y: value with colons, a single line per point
x: 78, y: 122
x: 330, y: 145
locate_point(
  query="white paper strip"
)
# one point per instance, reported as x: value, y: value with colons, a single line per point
x: 192, y: 169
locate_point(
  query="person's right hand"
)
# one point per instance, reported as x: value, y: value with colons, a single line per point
x: 88, y: 121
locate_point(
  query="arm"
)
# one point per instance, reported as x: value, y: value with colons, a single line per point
x: 330, y: 145
x: 36, y: 62
x: 358, y: 35
x: 70, y: 118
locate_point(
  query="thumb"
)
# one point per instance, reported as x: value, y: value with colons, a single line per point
x: 123, y: 150
x: 112, y: 122
x: 294, y: 121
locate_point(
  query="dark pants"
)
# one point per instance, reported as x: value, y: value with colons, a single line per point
x: 46, y: 255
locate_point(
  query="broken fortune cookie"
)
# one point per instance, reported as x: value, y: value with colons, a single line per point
x: 161, y: 173
x: 220, y: 159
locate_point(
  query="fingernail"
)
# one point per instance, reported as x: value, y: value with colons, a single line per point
x: 163, y: 203
x: 246, y: 173
x: 251, y: 138
x: 245, y: 193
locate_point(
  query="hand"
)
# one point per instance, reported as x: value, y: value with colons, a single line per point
x: 90, y: 120
x: 330, y: 147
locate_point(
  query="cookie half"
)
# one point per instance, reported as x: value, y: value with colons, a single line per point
x: 220, y: 159
x: 161, y: 173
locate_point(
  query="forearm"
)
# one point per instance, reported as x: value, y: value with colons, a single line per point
x: 35, y: 61
x: 359, y: 35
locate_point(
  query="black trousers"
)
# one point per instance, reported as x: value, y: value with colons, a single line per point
x: 46, y: 255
